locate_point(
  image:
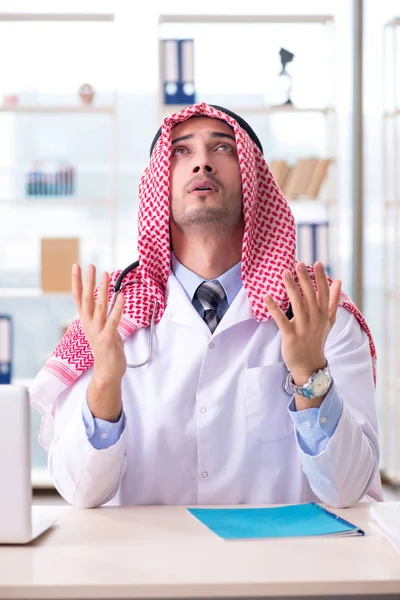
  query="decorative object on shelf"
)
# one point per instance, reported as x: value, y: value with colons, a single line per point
x: 86, y: 93
x: 10, y: 100
x: 57, y: 257
x: 304, y: 179
x: 59, y: 181
x: 5, y: 349
x: 178, y: 71
x: 281, y: 90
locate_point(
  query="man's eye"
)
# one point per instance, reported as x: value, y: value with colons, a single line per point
x: 224, y: 147
x: 179, y: 150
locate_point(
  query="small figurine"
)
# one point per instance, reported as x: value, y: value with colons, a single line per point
x: 10, y: 100
x: 286, y: 81
x: 86, y: 93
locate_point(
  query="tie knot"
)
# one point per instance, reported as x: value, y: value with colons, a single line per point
x: 210, y: 294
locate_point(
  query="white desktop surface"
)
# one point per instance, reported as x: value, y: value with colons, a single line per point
x: 164, y: 552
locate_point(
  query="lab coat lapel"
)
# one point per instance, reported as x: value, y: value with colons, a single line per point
x: 178, y: 307
x: 239, y: 310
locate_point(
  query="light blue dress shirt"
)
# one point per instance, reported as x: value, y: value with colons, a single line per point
x: 314, y: 426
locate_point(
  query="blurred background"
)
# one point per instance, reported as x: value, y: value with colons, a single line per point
x: 85, y: 85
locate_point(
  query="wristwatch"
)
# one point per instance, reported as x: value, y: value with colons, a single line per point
x: 317, y: 386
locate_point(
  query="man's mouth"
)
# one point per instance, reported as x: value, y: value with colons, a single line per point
x: 203, y: 187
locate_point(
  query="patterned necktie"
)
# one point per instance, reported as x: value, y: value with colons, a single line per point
x: 210, y: 294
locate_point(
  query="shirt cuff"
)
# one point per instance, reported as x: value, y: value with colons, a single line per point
x: 101, y: 434
x: 316, y: 426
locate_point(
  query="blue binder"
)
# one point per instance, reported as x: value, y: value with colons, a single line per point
x: 6, y: 343
x: 313, y: 243
x: 178, y: 71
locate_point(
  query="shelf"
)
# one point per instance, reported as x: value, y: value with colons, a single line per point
x: 392, y: 295
x: 40, y: 479
x: 172, y: 108
x: 29, y: 292
x: 392, y: 113
x: 76, y: 17
x: 245, y: 18
x: 41, y: 109
x: 56, y: 201
x: 283, y: 109
x: 393, y: 23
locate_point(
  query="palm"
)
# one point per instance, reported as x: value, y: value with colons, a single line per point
x: 304, y: 336
x: 101, y: 331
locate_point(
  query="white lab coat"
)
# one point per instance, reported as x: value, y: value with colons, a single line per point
x: 207, y: 420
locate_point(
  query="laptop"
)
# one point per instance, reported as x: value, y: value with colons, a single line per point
x: 17, y: 523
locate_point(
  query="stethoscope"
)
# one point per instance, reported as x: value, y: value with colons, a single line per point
x: 118, y: 287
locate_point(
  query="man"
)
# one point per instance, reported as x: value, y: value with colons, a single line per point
x: 237, y: 401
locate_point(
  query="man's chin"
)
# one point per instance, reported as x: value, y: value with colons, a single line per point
x: 205, y: 214
x: 202, y: 219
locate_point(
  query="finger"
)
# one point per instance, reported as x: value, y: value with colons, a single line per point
x: 76, y: 284
x: 334, y: 299
x: 116, y: 313
x: 322, y: 288
x: 277, y: 314
x: 88, y: 293
x: 308, y: 289
x: 295, y: 297
x: 100, y: 310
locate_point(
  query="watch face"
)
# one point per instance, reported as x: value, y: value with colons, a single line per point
x: 320, y: 384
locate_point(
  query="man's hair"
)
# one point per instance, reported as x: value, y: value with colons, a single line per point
x: 241, y: 122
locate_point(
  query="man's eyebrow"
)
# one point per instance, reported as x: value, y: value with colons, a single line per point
x: 183, y: 138
x: 214, y: 134
x: 218, y: 134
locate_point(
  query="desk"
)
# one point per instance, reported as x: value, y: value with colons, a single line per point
x: 164, y: 552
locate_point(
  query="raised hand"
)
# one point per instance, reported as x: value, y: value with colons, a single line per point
x: 104, y: 339
x: 304, y: 336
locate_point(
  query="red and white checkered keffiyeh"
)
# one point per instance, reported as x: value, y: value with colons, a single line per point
x: 269, y: 247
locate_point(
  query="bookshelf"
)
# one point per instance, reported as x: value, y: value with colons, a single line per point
x: 28, y: 292
x: 167, y: 109
x: 49, y: 109
x: 246, y: 19
x: 33, y: 310
x: 390, y: 361
x: 76, y: 108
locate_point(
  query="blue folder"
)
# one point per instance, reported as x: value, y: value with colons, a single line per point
x: 297, y: 520
x: 5, y: 349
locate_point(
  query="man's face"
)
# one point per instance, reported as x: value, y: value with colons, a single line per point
x: 206, y: 185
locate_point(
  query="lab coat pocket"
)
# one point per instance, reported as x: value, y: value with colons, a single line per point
x: 266, y: 403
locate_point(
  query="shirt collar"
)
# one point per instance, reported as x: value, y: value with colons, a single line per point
x: 231, y: 280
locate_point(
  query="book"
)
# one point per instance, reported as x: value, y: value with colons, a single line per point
x: 318, y: 177
x: 6, y: 342
x: 178, y: 71
x: 387, y: 516
x: 313, y: 242
x: 280, y: 170
x: 299, y: 177
x: 57, y: 257
x: 297, y: 520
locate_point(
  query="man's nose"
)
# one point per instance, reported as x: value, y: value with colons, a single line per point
x: 202, y: 168
x: 202, y: 160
